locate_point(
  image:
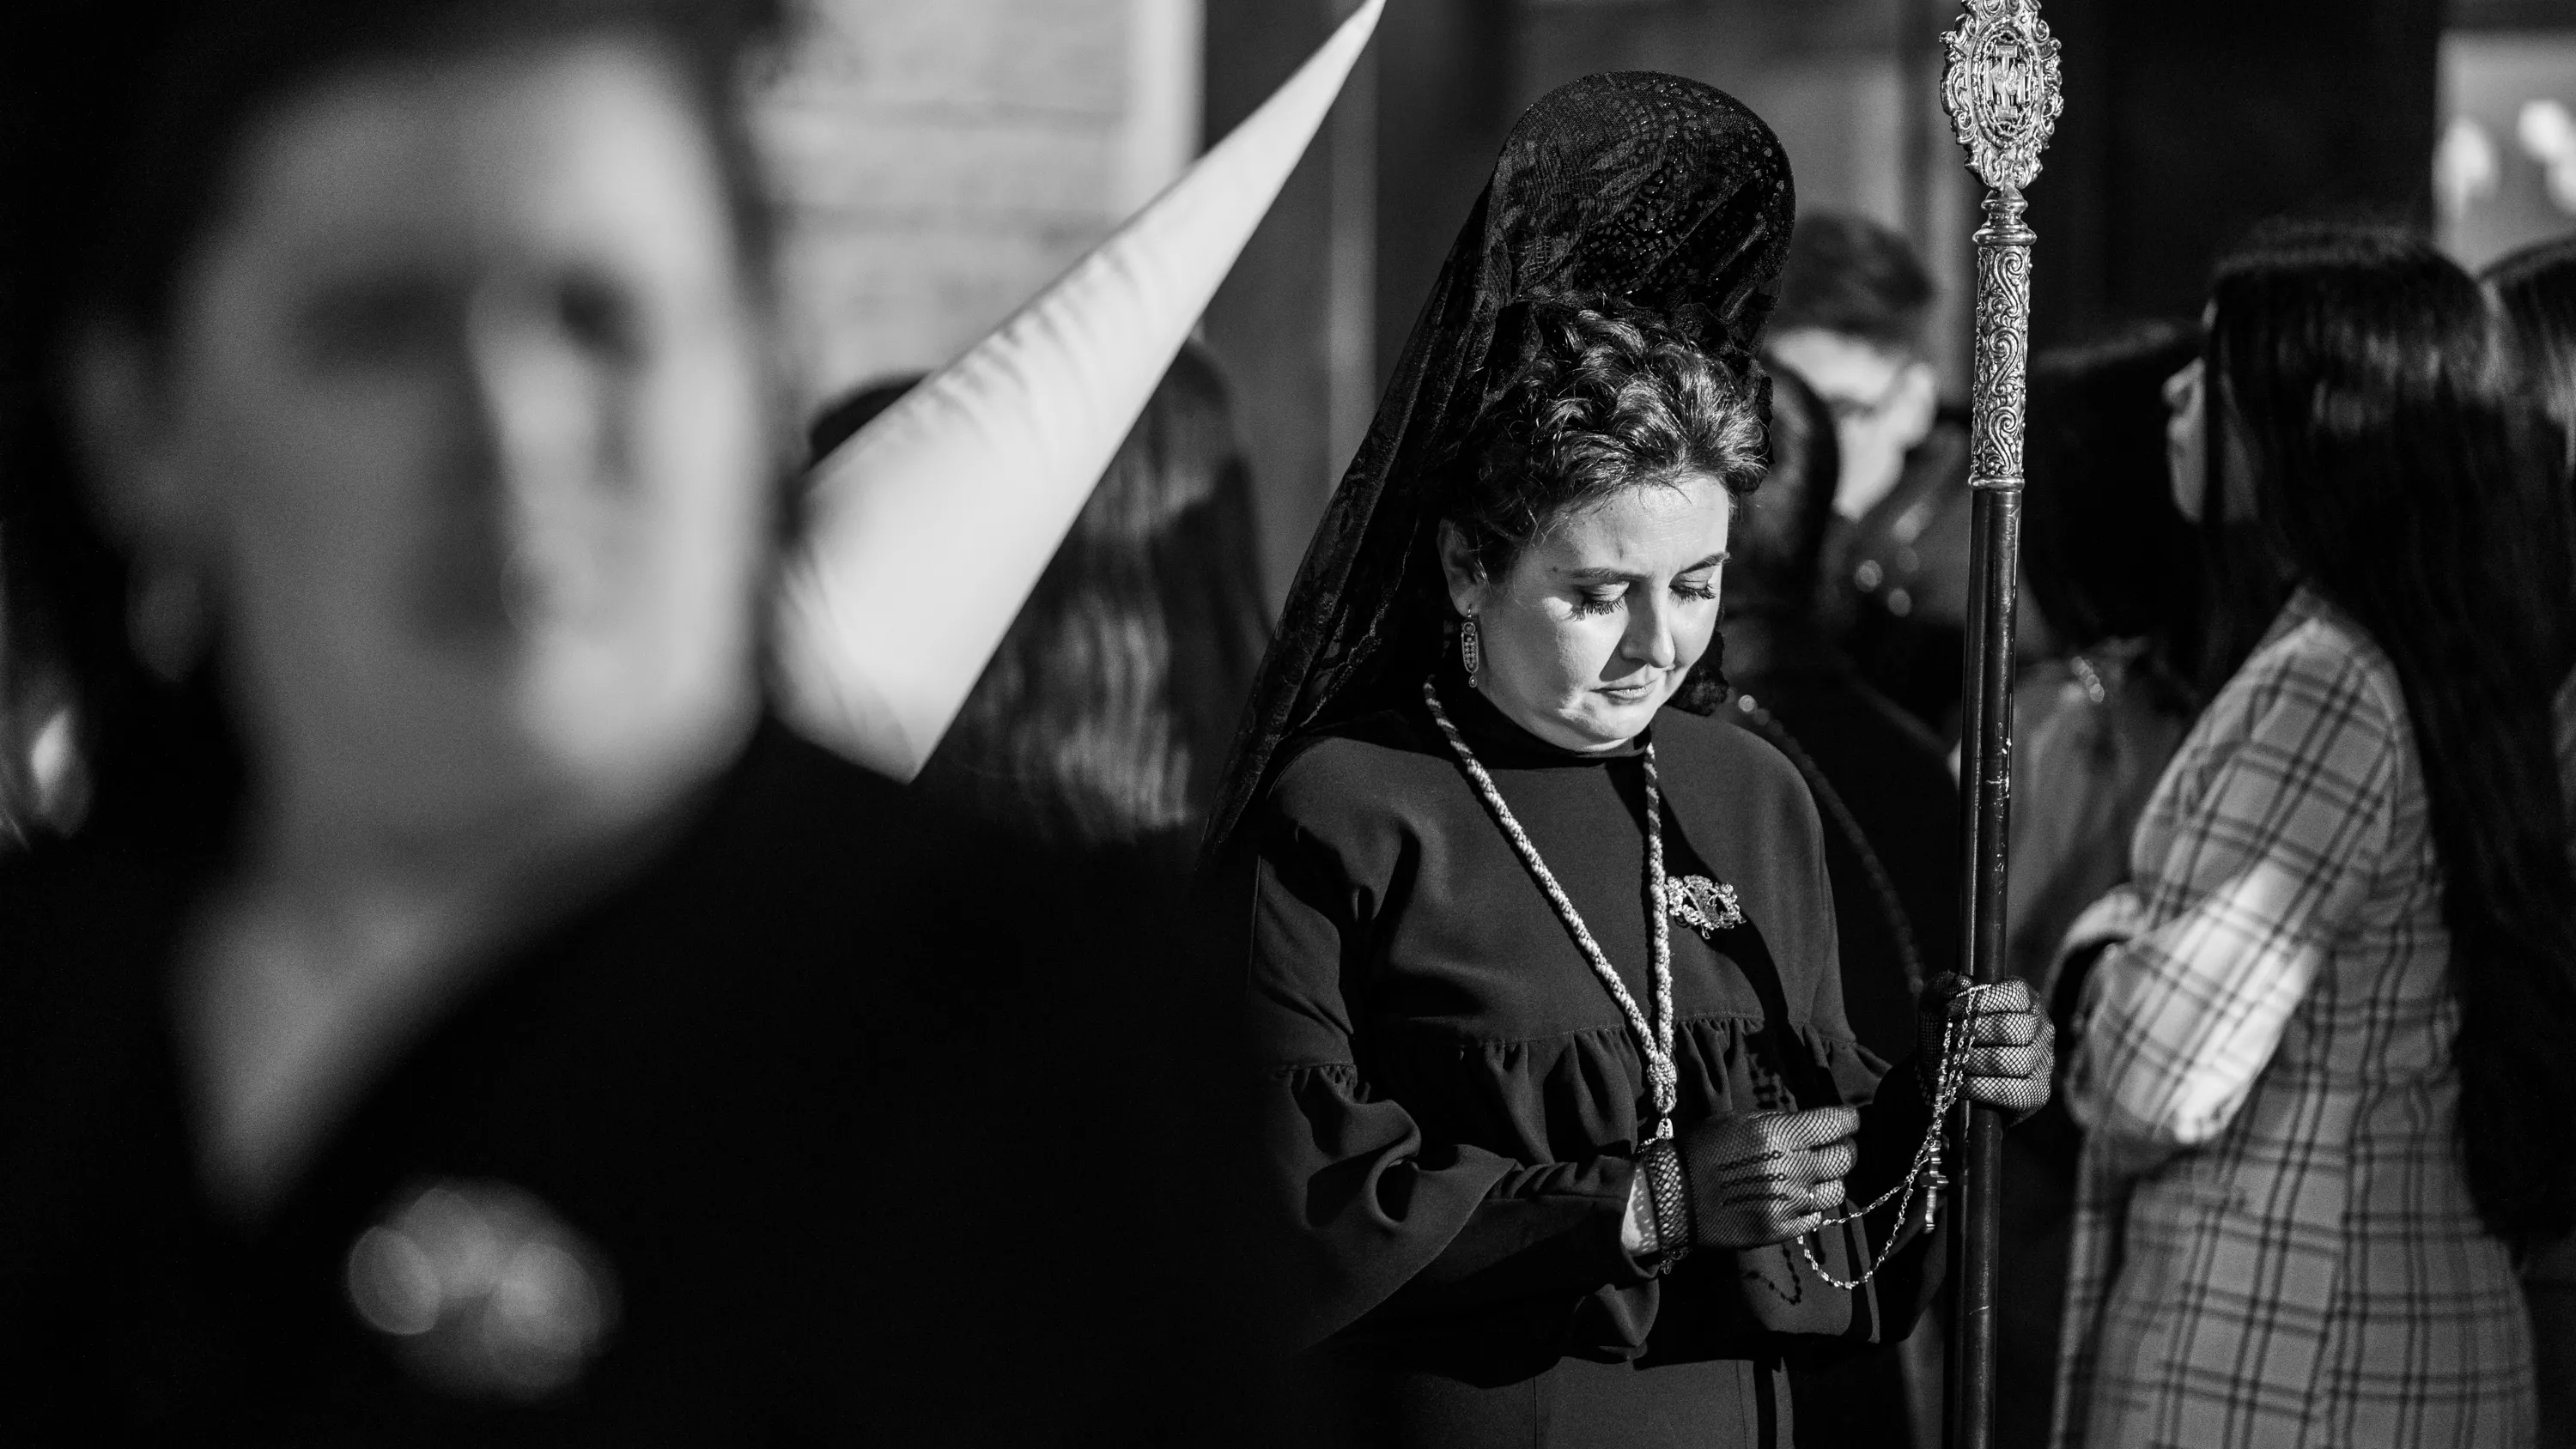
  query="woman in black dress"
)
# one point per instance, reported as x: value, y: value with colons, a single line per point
x: 1561, y: 1104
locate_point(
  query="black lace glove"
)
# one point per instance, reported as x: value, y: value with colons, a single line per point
x: 1765, y: 1178
x: 2011, y: 1048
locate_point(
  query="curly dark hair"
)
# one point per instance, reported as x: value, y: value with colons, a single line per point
x: 1604, y: 397
x: 2400, y: 473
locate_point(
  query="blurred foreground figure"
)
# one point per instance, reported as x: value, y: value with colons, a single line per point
x: 2114, y: 566
x: 467, y: 1015
x: 2536, y: 291
x: 2322, y: 1065
x: 1890, y: 813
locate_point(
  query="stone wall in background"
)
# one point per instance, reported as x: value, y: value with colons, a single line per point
x: 938, y: 161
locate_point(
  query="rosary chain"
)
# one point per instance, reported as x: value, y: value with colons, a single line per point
x: 1655, y: 1040
x: 1951, y: 1078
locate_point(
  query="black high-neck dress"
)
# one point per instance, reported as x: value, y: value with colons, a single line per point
x: 1453, y: 1098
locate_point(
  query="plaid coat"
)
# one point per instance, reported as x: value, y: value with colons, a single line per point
x: 2274, y: 1239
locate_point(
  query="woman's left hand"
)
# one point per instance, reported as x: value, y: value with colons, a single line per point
x: 2011, y: 1049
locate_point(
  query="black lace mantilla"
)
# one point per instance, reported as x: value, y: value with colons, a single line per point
x: 1651, y: 188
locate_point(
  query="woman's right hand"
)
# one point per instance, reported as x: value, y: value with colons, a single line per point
x: 1767, y: 1177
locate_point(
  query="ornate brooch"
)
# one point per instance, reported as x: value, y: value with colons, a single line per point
x: 1707, y: 906
x: 483, y: 1291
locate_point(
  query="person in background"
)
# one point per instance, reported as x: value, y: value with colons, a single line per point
x: 2321, y: 1061
x: 2114, y: 567
x: 1853, y: 303
x: 2535, y: 288
x: 1890, y: 809
x: 2535, y: 291
x: 1881, y: 781
x: 1105, y: 715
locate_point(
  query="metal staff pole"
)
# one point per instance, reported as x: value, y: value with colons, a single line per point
x: 2001, y: 90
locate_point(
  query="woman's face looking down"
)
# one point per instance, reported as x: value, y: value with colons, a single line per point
x: 461, y: 420
x: 1599, y: 619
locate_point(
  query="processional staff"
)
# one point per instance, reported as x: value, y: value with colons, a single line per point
x: 2001, y: 90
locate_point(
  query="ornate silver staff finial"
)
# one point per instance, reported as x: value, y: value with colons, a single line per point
x: 2001, y: 89
x: 2002, y: 92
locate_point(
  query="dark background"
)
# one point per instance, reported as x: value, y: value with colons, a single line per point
x: 2187, y: 121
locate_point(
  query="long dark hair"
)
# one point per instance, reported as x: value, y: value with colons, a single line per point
x: 1104, y: 716
x: 2536, y: 290
x: 118, y: 126
x: 2399, y: 474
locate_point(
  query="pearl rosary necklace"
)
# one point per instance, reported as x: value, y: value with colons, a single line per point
x: 1655, y: 1038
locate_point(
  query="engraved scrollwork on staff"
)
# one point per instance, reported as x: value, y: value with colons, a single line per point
x: 2002, y: 345
x: 2002, y: 92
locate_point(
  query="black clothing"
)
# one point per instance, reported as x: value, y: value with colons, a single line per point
x: 1894, y: 778
x: 859, y: 1175
x: 1454, y: 1097
x: 1646, y: 187
x: 1897, y: 585
x: 1797, y: 691
x: 1899, y: 574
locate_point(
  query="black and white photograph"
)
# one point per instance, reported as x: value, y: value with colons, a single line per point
x: 1288, y: 724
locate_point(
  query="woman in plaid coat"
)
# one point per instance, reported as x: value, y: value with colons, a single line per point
x: 2321, y: 1061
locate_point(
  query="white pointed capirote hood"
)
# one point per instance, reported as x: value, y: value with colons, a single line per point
x: 928, y: 529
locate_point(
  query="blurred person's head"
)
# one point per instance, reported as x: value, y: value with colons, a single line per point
x: 2106, y: 552
x: 1775, y: 555
x: 1585, y: 523
x: 2397, y: 469
x: 1105, y: 715
x: 2536, y: 290
x: 1853, y: 299
x: 418, y: 361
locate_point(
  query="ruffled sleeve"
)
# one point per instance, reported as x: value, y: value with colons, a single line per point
x: 1380, y: 1214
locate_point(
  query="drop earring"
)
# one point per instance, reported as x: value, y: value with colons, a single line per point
x: 1471, y: 650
